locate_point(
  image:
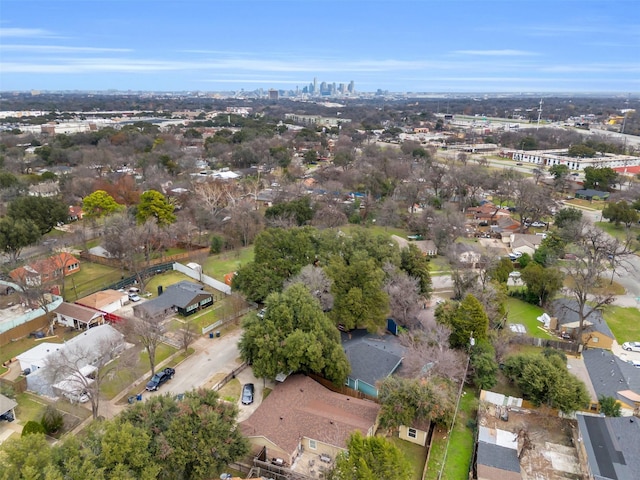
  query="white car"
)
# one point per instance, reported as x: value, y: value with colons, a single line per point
x: 515, y: 274
x: 631, y: 346
x: 538, y: 224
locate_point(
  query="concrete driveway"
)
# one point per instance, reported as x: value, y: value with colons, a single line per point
x: 247, y: 376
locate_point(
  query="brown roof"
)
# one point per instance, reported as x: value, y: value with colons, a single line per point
x: 78, y: 312
x: 101, y: 299
x: 301, y: 407
x: 44, y: 266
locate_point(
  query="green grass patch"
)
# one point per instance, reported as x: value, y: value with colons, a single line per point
x: 231, y: 391
x: 265, y: 392
x: 624, y: 323
x: 217, y: 266
x: 604, y: 286
x: 91, y: 278
x: 522, y: 312
x: 121, y: 378
x: 460, y: 449
x: 440, y: 266
x: 13, y: 349
x: 416, y: 454
x: 620, y: 232
x: 165, y: 279
x: 29, y: 408
x: 179, y: 358
x: 593, y: 205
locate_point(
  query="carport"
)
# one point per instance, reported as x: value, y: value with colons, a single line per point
x: 7, y: 405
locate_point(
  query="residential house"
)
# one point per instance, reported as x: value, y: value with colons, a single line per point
x: 106, y: 300
x: 87, y: 348
x: 372, y: 358
x: 46, y: 270
x: 44, y: 189
x: 497, y: 455
x: 591, y: 194
x: 300, y: 415
x: 596, y: 332
x: 7, y: 407
x: 525, y: 243
x: 75, y: 213
x: 78, y: 316
x: 34, y: 358
x: 609, y: 376
x: 609, y: 447
x: 467, y: 255
x: 185, y: 298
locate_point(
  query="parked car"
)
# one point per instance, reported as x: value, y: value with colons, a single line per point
x: 8, y: 416
x: 538, y: 224
x: 134, y: 297
x: 515, y: 274
x: 247, y: 394
x: 514, y: 256
x: 159, y: 378
x: 631, y: 346
x: 77, y: 397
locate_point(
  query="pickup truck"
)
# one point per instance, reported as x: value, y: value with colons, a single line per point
x: 159, y: 378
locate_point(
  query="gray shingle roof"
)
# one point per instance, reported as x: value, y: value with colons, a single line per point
x: 371, y: 358
x: 566, y: 311
x: 612, y: 445
x: 498, y: 457
x: 609, y: 374
x: 180, y: 295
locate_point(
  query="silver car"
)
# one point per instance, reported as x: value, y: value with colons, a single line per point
x: 631, y: 346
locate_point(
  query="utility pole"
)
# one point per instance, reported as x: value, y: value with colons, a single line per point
x: 539, y: 114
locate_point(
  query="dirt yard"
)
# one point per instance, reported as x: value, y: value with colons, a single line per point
x: 544, y: 440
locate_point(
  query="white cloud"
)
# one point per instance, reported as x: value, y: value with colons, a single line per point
x: 497, y: 53
x: 23, y: 32
x: 59, y: 49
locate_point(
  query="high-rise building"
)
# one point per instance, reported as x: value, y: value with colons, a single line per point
x: 315, y: 85
x: 273, y: 94
x: 352, y: 87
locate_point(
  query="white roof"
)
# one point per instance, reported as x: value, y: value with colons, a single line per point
x: 37, y: 355
x: 94, y: 336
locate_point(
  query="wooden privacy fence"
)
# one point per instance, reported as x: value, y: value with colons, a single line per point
x: 229, y: 377
x: 343, y: 389
x: 568, y: 347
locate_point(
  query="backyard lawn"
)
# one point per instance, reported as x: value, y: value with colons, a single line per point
x: 526, y: 314
x: 217, y: 266
x: 460, y: 447
x: 91, y: 278
x: 165, y: 279
x: 624, y: 323
x: 416, y: 454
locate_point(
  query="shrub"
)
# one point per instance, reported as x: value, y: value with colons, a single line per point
x: 52, y: 420
x: 217, y: 242
x: 32, y: 427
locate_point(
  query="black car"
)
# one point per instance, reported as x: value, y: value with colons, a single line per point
x: 159, y: 378
x: 247, y: 394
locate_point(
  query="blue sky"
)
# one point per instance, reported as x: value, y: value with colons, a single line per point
x: 417, y: 46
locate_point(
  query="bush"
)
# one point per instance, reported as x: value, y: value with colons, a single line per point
x: 32, y: 427
x: 52, y: 420
x: 217, y: 242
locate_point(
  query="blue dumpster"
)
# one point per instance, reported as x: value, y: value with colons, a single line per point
x: 139, y: 397
x: 210, y: 334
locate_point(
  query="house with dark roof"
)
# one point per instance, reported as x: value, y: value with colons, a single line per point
x: 591, y: 194
x: 78, y: 316
x: 372, y: 358
x: 610, y: 376
x: 497, y: 455
x: 609, y: 447
x: 596, y: 332
x: 300, y: 415
x: 185, y: 298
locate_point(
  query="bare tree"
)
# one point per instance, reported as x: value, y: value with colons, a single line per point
x: 404, y: 296
x: 428, y: 353
x: 150, y: 334
x: 82, y: 370
x: 317, y: 282
x: 596, y: 252
x: 187, y: 335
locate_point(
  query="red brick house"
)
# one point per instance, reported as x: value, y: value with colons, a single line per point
x: 46, y: 270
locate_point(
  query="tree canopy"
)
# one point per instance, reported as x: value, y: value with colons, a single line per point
x: 99, y: 204
x: 600, y: 178
x: 15, y: 234
x: 293, y: 336
x: 466, y: 319
x: 153, y: 204
x: 45, y: 212
x: 545, y: 379
x: 371, y: 458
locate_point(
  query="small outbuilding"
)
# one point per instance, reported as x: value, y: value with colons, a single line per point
x: 77, y: 316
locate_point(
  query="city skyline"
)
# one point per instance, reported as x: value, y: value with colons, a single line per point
x: 397, y: 46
